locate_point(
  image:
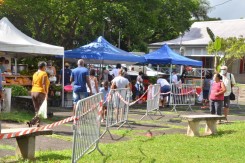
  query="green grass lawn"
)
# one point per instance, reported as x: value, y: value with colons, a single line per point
x: 227, y: 146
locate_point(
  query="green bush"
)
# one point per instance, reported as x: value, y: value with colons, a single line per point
x: 153, y: 79
x: 17, y: 90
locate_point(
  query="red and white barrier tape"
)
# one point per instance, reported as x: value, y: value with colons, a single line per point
x: 55, y: 124
x: 132, y: 103
x: 36, y: 129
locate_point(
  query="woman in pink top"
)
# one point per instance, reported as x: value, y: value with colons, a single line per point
x: 217, y: 95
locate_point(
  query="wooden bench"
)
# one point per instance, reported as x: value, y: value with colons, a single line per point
x: 193, y: 123
x: 26, y: 143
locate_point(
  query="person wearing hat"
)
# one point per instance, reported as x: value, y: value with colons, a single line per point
x: 67, y: 75
x: 229, y: 81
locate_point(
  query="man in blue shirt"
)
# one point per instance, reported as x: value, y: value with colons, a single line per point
x: 80, y: 77
x: 67, y: 75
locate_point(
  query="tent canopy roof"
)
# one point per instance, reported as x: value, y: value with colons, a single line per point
x: 101, y: 51
x: 13, y: 40
x: 165, y: 55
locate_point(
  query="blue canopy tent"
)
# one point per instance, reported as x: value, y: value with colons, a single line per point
x: 165, y: 55
x: 101, y: 51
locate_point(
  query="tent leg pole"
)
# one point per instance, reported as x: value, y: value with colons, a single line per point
x: 63, y: 103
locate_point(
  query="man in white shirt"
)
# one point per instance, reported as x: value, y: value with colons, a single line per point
x: 175, y: 77
x: 115, y: 70
x: 229, y: 81
x: 117, y: 83
x: 120, y: 81
x: 165, y: 88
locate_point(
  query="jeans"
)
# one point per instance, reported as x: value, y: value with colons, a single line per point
x: 216, y: 106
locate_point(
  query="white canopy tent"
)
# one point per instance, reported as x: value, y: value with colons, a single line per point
x: 13, y: 40
x: 16, y: 44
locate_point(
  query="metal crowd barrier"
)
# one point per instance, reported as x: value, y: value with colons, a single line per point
x: 182, y: 95
x: 153, y: 96
x: 117, y: 108
x: 236, y: 92
x: 86, y: 127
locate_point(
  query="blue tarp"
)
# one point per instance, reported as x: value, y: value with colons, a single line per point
x: 165, y: 55
x: 101, y: 51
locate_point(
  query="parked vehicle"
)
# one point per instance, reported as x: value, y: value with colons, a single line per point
x: 147, y: 70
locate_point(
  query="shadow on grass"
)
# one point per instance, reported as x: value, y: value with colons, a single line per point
x: 47, y: 156
x: 146, y: 125
x: 123, y: 135
x: 64, y: 133
x: 226, y: 132
x: 106, y: 158
x: 175, y: 120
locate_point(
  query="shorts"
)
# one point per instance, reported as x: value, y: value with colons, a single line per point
x: 78, y: 96
x: 165, y: 89
x: 227, y: 102
x: 205, y: 94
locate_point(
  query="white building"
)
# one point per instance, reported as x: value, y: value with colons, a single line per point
x: 194, y: 42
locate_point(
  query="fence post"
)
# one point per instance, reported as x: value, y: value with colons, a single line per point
x: 153, y: 96
x: 117, y: 108
x: 86, y: 126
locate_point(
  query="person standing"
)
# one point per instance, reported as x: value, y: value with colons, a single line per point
x: 67, y: 75
x: 116, y: 70
x: 104, y: 75
x: 51, y: 71
x: 1, y: 93
x: 175, y: 80
x: 165, y: 89
x: 105, y: 90
x: 217, y: 95
x: 229, y: 81
x: 80, y: 77
x: 205, y: 92
x: 39, y: 91
x: 139, y: 85
x: 2, y: 62
x: 119, y: 82
x: 93, y: 82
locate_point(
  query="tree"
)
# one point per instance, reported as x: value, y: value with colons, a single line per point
x: 71, y: 23
x: 231, y: 49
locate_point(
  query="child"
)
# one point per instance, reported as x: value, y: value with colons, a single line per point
x: 105, y: 90
x: 206, y: 88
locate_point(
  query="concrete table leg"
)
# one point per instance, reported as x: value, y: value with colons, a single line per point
x: 193, y: 128
x: 211, y: 127
x: 26, y: 147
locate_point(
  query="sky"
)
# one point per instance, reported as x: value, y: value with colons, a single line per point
x: 227, y: 9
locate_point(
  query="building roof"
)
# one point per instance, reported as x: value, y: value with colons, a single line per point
x: 197, y: 35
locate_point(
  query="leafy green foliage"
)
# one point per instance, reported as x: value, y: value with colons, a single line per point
x: 17, y: 90
x: 231, y: 49
x: 153, y: 79
x: 78, y: 22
